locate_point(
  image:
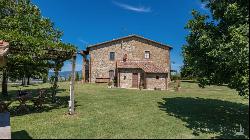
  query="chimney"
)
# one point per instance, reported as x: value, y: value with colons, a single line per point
x: 125, y: 57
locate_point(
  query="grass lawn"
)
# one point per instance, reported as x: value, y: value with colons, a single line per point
x: 213, y: 112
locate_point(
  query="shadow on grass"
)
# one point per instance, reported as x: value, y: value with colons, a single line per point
x: 20, y: 86
x: 61, y: 102
x: 12, y: 94
x: 20, y: 135
x: 209, y: 115
x: 194, y: 81
x: 189, y: 81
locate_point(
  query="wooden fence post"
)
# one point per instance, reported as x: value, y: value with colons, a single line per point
x: 72, y: 82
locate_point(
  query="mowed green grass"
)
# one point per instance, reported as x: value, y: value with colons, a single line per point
x: 213, y: 112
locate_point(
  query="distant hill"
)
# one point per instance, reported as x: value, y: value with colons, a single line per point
x: 65, y: 74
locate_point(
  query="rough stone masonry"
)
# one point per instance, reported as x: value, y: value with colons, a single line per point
x: 147, y: 62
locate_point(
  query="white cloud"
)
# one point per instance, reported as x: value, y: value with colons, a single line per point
x: 140, y: 9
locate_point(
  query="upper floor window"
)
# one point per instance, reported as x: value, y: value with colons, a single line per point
x: 112, y: 56
x: 147, y: 54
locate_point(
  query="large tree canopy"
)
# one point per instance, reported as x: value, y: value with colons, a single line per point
x: 217, y: 49
x: 35, y: 45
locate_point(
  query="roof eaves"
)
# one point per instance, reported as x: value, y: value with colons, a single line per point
x: 133, y: 35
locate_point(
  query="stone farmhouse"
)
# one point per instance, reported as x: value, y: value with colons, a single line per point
x: 131, y: 62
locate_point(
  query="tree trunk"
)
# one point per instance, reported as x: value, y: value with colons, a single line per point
x: 4, y: 83
x: 55, y: 85
x: 28, y: 80
x: 72, y: 82
x: 24, y: 81
x: 44, y: 79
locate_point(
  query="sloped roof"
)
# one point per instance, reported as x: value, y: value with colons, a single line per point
x: 130, y: 36
x: 146, y: 66
x: 4, y: 47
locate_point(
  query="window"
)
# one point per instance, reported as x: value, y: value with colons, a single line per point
x: 147, y: 54
x: 124, y: 78
x: 112, y: 56
x: 157, y: 77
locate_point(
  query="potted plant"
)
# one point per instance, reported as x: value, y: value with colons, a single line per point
x: 141, y: 86
x: 113, y: 83
x: 5, y: 132
x: 110, y: 84
x: 178, y: 85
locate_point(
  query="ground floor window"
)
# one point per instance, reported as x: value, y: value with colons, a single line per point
x: 157, y: 77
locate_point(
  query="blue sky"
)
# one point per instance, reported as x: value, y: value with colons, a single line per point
x: 86, y: 22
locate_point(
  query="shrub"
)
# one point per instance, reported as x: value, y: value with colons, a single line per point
x: 110, y: 83
x: 175, y: 77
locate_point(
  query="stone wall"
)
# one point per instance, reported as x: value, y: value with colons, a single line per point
x: 125, y: 77
x: 152, y: 82
x: 100, y: 65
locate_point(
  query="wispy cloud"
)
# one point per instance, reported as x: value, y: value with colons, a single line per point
x: 83, y: 41
x: 140, y: 9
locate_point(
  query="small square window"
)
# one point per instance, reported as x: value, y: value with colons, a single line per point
x: 112, y: 56
x: 147, y: 54
x: 157, y: 77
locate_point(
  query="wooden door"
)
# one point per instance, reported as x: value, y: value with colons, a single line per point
x: 135, y: 80
x: 111, y: 74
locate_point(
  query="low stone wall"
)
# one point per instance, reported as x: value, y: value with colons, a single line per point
x: 153, y: 83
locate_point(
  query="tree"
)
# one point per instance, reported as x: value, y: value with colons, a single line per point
x: 187, y: 72
x: 35, y: 45
x: 77, y: 77
x: 217, y: 49
x: 45, y: 77
x: 69, y: 78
